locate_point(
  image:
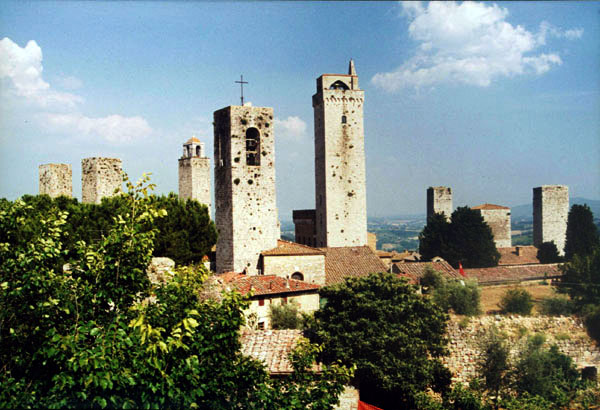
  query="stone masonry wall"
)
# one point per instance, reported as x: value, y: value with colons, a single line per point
x: 311, y: 266
x: 499, y: 222
x: 550, y: 212
x: 567, y: 333
x: 245, y: 198
x: 439, y: 200
x: 100, y: 177
x: 56, y: 180
x: 340, y: 179
x: 194, y: 180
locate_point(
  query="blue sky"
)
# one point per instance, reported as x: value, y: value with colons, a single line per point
x: 490, y: 99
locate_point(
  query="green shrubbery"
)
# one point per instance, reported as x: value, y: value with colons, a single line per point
x: 517, y: 301
x: 556, y: 306
x: 463, y: 297
x: 285, y: 316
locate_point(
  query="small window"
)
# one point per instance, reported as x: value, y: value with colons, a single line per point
x: 261, y: 302
x: 297, y: 276
x: 261, y: 325
x: 344, y: 119
x: 252, y: 147
x: 339, y: 85
x: 198, y: 151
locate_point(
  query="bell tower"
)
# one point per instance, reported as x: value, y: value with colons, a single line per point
x: 194, y: 173
x: 340, y: 181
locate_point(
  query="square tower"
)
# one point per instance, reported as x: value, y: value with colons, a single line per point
x: 56, y: 180
x: 100, y: 177
x: 550, y: 213
x: 498, y: 219
x: 245, y: 201
x: 439, y: 200
x: 194, y: 173
x: 340, y: 181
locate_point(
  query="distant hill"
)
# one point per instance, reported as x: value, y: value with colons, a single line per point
x: 526, y: 211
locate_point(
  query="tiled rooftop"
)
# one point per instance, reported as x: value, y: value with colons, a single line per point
x: 350, y: 261
x: 271, y: 347
x: 415, y: 270
x: 490, y: 207
x: 518, y: 255
x: 500, y: 274
x: 267, y: 284
x: 291, y: 248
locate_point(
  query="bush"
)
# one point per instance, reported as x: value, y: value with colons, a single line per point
x: 461, y: 296
x: 285, y: 316
x: 556, y: 306
x: 517, y: 301
x: 591, y: 320
x: 548, y: 253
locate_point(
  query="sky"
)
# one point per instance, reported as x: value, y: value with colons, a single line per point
x: 491, y: 99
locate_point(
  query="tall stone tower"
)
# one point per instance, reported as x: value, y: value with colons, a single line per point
x: 194, y: 173
x: 439, y: 200
x: 550, y: 213
x: 100, y: 177
x: 341, y: 200
x: 498, y: 219
x: 245, y: 201
x: 56, y: 180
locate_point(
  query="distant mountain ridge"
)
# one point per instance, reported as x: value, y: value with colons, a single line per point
x: 526, y: 211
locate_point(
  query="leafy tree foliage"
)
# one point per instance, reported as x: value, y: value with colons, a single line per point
x: 285, y: 316
x: 494, y: 365
x: 466, y: 239
x: 394, y: 336
x: 516, y: 301
x: 548, y: 253
x: 556, y: 306
x: 582, y: 234
x: 463, y: 297
x: 93, y: 337
x: 581, y: 278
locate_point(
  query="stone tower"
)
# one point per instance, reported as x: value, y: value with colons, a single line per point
x: 194, y: 173
x: 245, y: 201
x: 340, y: 187
x: 439, y: 200
x: 56, y: 180
x: 498, y: 219
x: 550, y: 213
x: 100, y: 177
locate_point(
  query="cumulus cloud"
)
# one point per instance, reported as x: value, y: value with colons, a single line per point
x: 292, y: 127
x: 112, y: 128
x: 470, y: 43
x: 21, y: 68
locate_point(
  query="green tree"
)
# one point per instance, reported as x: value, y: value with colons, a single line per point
x: 548, y: 253
x: 463, y: 297
x: 581, y: 278
x: 517, y: 301
x: 494, y: 365
x: 394, y: 336
x: 285, y: 316
x: 434, y: 239
x: 582, y: 234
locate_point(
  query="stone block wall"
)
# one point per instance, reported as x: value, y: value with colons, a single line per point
x: 304, y: 226
x: 550, y: 213
x: 439, y: 200
x: 245, y: 198
x: 100, y: 177
x: 348, y: 399
x: 312, y: 267
x: 194, y: 180
x: 566, y: 332
x: 56, y: 180
x: 499, y: 221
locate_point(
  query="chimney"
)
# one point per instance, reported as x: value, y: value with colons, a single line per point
x: 519, y: 250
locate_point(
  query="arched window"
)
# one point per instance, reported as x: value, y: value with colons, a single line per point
x: 297, y: 276
x: 338, y: 85
x: 252, y: 146
x: 198, y: 150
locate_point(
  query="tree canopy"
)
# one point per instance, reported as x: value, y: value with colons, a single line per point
x: 394, y: 336
x: 582, y: 234
x: 466, y: 239
x: 548, y: 253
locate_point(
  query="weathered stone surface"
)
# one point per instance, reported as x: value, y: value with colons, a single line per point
x: 439, y: 200
x: 348, y: 399
x: 550, y: 213
x: 245, y: 199
x: 498, y: 219
x: 159, y: 269
x: 341, y: 201
x: 56, y: 180
x: 194, y: 173
x: 100, y: 177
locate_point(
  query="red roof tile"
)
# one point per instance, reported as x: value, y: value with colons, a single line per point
x: 501, y: 274
x: 268, y: 284
x: 518, y: 255
x: 490, y: 207
x: 350, y: 261
x: 291, y: 248
x: 271, y: 347
x: 416, y: 270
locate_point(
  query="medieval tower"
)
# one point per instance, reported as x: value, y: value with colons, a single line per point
x: 550, y: 212
x: 56, y: 180
x: 194, y: 173
x: 439, y: 200
x: 100, y: 177
x: 245, y: 202
x: 498, y: 219
x: 340, y: 187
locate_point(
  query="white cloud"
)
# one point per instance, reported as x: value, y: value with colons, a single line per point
x: 22, y: 67
x: 70, y: 82
x: 470, y: 43
x: 292, y: 127
x: 112, y: 128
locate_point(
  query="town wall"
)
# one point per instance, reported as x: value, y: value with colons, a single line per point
x: 312, y: 267
x: 100, y: 177
x: 439, y: 200
x: 56, y: 180
x: 550, y: 213
x: 245, y: 198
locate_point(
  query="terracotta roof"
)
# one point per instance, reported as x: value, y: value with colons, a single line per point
x: 291, y: 248
x: 267, y: 284
x: 490, y: 207
x: 271, y: 347
x: 518, y: 255
x: 366, y: 406
x: 406, y: 256
x: 350, y: 261
x: 501, y: 274
x: 384, y: 254
x: 415, y: 270
x: 191, y: 140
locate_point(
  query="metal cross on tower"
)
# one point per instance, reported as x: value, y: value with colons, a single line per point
x: 241, y: 83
